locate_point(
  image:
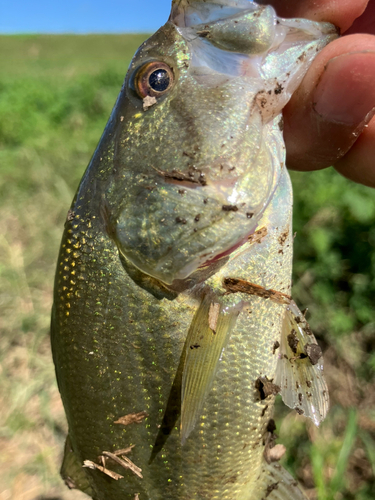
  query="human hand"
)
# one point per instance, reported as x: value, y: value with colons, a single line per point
x: 329, y: 120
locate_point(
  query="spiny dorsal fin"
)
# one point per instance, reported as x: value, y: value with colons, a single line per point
x: 208, y: 334
x: 299, y: 371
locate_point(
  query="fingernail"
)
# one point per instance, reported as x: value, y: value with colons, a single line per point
x: 345, y: 93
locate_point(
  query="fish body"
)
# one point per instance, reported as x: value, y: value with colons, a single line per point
x: 157, y: 353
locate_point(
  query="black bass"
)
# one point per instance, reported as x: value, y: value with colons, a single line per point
x: 173, y: 327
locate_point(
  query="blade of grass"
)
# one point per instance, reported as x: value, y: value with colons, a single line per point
x: 317, y: 461
x: 338, y: 480
x: 369, y: 445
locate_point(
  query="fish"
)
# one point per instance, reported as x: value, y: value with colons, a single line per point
x: 173, y: 328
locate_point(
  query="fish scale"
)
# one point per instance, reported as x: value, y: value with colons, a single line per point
x: 144, y: 322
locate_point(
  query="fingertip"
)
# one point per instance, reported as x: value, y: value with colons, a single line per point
x: 358, y: 164
x: 341, y: 13
x: 332, y: 105
x: 345, y: 93
x: 364, y: 23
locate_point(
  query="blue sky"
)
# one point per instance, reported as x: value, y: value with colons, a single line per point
x: 82, y: 16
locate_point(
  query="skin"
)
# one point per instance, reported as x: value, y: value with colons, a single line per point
x: 329, y: 120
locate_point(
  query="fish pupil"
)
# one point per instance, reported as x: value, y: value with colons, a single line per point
x: 159, y: 80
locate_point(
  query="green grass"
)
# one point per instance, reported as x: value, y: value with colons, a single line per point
x: 65, y: 57
x: 56, y: 93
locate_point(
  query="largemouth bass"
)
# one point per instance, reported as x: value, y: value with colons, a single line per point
x: 173, y: 327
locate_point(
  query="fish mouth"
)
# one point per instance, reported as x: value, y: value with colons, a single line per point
x: 186, y: 13
x: 217, y: 32
x: 234, y: 37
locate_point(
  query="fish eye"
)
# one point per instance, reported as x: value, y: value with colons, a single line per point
x: 153, y: 79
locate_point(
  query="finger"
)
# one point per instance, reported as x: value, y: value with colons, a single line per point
x: 333, y: 104
x: 366, y: 22
x: 358, y: 164
x: 341, y: 13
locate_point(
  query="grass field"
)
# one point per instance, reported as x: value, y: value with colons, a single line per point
x: 56, y: 93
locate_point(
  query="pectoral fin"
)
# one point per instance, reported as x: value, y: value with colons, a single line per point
x: 208, y: 334
x: 299, y: 370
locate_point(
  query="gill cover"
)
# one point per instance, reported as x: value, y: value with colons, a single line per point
x: 197, y: 163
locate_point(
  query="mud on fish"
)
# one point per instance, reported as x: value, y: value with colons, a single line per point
x: 173, y: 328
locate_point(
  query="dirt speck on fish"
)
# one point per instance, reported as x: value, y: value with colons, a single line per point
x: 132, y: 418
x: 172, y: 290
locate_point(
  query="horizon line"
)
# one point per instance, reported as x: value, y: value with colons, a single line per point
x: 85, y: 33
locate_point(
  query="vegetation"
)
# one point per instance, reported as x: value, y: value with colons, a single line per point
x: 56, y: 93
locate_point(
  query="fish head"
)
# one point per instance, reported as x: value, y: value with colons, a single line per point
x: 197, y: 147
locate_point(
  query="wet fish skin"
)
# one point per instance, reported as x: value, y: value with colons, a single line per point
x: 123, y: 307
